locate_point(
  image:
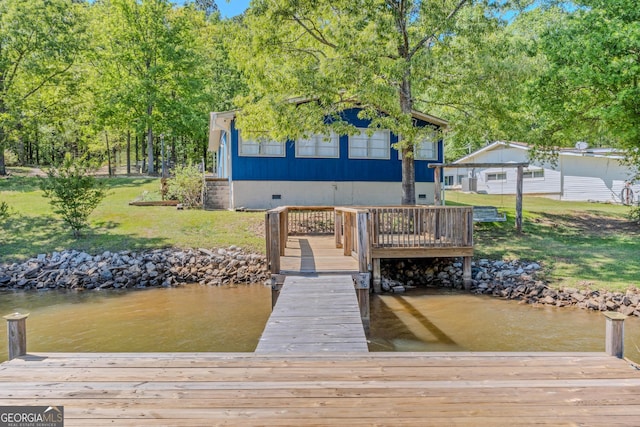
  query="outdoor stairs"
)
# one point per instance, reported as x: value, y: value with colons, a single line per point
x: 216, y: 193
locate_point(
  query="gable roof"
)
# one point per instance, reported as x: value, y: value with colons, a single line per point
x: 221, y: 121
x: 611, y: 153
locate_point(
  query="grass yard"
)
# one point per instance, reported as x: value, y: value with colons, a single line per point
x: 580, y: 244
x: 33, y: 228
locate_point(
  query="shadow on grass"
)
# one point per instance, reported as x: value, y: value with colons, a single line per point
x: 584, y: 247
x: 23, y: 237
x: 26, y: 184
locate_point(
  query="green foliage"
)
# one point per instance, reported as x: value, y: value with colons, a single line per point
x: 589, y: 91
x: 4, y: 211
x: 186, y: 186
x: 634, y: 214
x: 73, y: 193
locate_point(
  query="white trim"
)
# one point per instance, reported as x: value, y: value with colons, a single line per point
x: 329, y: 141
x: 363, y: 136
x: 261, y: 145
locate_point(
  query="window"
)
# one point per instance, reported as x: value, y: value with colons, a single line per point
x: 319, y: 146
x: 497, y: 176
x: 538, y: 173
x: 426, y: 150
x: 460, y: 178
x: 448, y: 180
x: 376, y: 146
x: 261, y: 148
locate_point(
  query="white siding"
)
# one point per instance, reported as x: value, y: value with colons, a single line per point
x: 588, y: 178
x: 258, y: 194
x: 549, y: 185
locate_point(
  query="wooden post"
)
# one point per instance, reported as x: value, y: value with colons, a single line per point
x: 362, y: 221
x: 377, y: 276
x: 466, y: 272
x: 338, y: 228
x: 361, y: 283
x: 277, y: 282
x: 614, y: 336
x: 519, y: 178
x: 347, y: 238
x: 273, y: 241
x: 437, y: 199
x: 284, y: 230
x: 17, y: 334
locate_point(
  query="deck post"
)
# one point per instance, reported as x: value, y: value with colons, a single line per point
x: 273, y: 241
x: 17, y: 334
x: 277, y: 282
x: 614, y: 336
x: 284, y: 230
x: 338, y: 216
x: 466, y: 272
x: 364, y: 249
x: 361, y: 283
x: 348, y: 237
x: 377, y: 276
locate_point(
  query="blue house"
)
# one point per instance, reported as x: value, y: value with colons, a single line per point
x: 324, y: 170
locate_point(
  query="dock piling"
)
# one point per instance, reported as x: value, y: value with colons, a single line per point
x: 17, y: 334
x: 614, y: 336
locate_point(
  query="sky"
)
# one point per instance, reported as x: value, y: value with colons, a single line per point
x: 229, y: 8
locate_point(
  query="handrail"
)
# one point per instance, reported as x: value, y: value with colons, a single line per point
x: 360, y: 230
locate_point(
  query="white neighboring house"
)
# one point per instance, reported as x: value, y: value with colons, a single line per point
x: 590, y: 174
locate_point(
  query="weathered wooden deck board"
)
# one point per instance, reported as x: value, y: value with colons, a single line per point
x: 315, y: 314
x: 315, y: 254
x: 337, y: 389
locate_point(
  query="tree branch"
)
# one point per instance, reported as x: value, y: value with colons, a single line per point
x: 428, y: 39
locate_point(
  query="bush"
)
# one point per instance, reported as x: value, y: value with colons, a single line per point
x: 186, y: 186
x: 73, y: 193
x: 634, y: 214
x: 4, y: 211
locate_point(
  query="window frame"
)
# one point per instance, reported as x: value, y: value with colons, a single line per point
x: 319, y: 139
x: 266, y: 143
x: 369, y: 148
x: 497, y: 176
x: 532, y: 174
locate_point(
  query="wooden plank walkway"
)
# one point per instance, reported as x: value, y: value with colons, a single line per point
x: 312, y: 254
x: 315, y: 314
x: 381, y: 389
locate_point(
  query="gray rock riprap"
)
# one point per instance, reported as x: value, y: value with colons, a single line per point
x: 516, y: 280
x: 155, y: 268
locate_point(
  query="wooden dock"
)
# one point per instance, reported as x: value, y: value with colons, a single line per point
x: 313, y: 254
x: 315, y: 315
x: 332, y: 389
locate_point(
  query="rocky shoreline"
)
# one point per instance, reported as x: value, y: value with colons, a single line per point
x: 127, y: 269
x: 517, y: 280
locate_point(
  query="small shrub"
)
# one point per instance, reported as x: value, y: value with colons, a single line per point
x: 186, y: 186
x: 634, y: 214
x: 4, y: 211
x: 73, y: 193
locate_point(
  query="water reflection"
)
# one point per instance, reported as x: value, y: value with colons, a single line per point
x: 226, y: 319
x: 441, y: 320
x: 191, y: 318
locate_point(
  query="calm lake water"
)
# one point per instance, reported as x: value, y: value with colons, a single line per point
x: 227, y: 319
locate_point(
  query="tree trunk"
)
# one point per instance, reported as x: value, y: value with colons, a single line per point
x: 106, y: 137
x: 3, y: 169
x: 150, y: 155
x: 408, y: 165
x: 128, y: 152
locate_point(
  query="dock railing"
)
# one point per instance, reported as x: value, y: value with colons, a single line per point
x: 371, y: 233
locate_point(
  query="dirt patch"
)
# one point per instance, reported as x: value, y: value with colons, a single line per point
x: 590, y: 224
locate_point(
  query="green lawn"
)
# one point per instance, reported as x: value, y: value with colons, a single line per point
x: 34, y: 229
x: 579, y: 243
